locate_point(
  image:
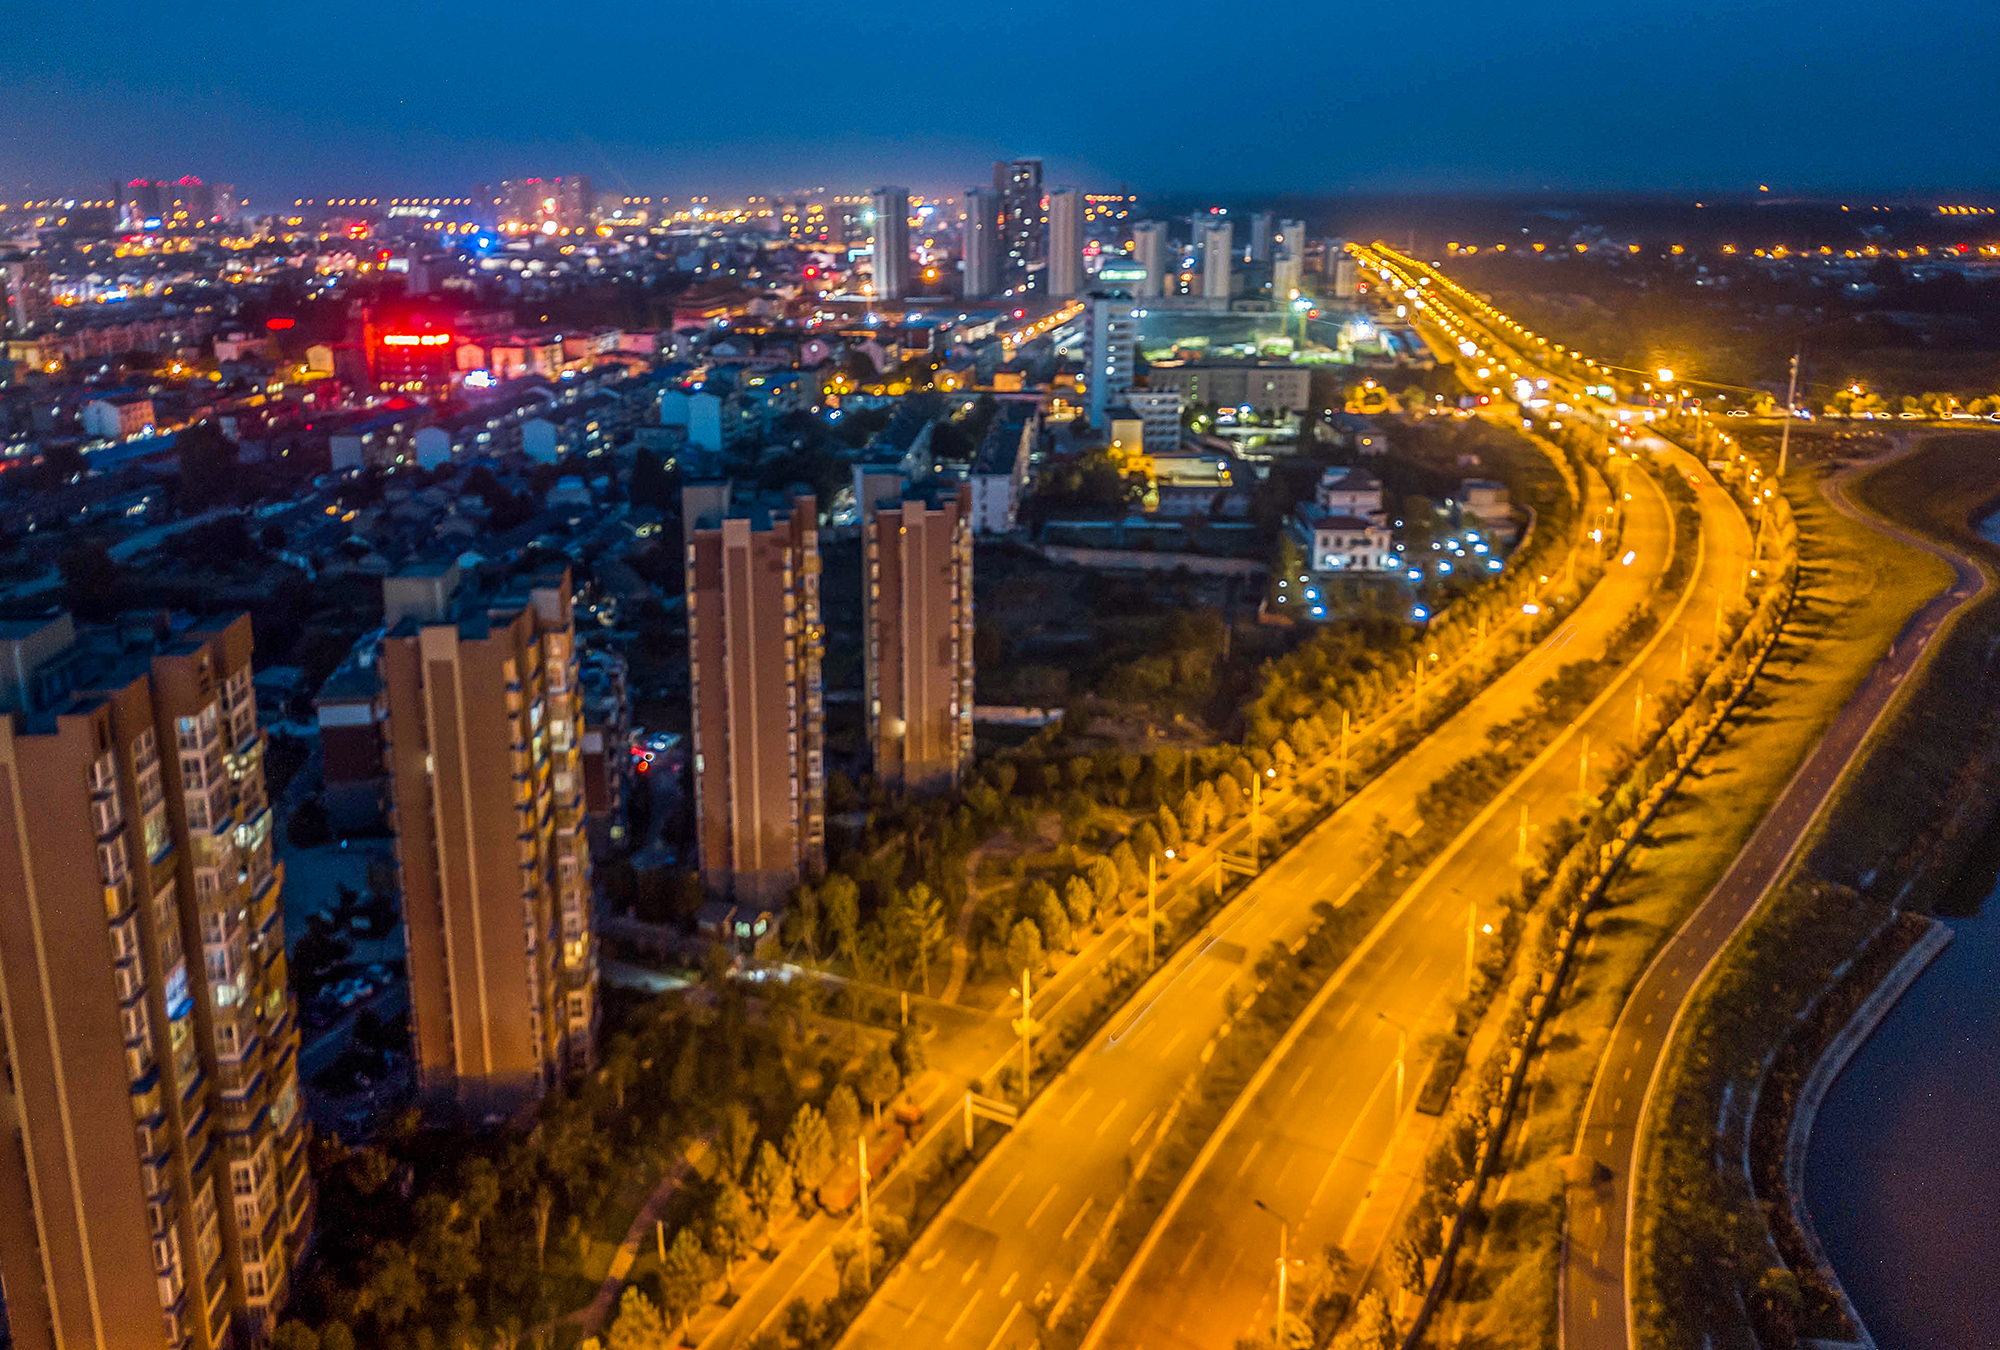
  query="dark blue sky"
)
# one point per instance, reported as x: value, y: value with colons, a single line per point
x: 1247, y: 96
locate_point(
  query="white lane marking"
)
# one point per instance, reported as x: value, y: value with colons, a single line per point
x: 1347, y: 1017
x: 1070, y: 1114
x: 1110, y: 1116
x: 1036, y: 1212
x: 1006, y: 1322
x: 1250, y: 1157
x: 1168, y: 1048
x: 963, y: 1313
x: 1188, y: 1260
x: 1300, y: 1081
x: 1005, y: 1191
x: 1081, y: 1210
x: 1140, y: 1133
x: 914, y: 1311
x: 1008, y: 1287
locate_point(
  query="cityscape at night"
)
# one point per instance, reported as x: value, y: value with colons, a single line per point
x: 1355, y: 710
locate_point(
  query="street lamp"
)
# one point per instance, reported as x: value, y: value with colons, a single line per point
x: 1284, y: 1263
x: 1026, y: 1027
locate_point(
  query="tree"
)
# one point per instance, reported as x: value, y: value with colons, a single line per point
x: 90, y: 578
x: 772, y: 1179
x: 1168, y: 828
x: 1053, y: 924
x: 621, y: 1066
x: 207, y: 460
x: 809, y: 1145
x: 736, y: 1140
x: 335, y: 1335
x: 732, y: 1227
x: 638, y: 1325
x: 682, y: 1277
x: 293, y: 1334
x: 1371, y: 1327
x: 1024, y: 948
x: 843, y: 1119
x: 478, y: 1193
x: 804, y: 919
x: 879, y: 1079
x: 915, y: 927
x: 908, y: 1048
x: 1144, y: 843
x: 1104, y: 879
x: 840, y: 901
x: 394, y: 1291
x: 1081, y: 900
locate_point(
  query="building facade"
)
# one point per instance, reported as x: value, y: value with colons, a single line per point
x: 980, y: 243
x: 1150, y: 247
x: 483, y: 730
x: 1065, y: 243
x: 917, y: 626
x: 154, y: 1189
x: 1022, y: 218
x: 1110, y: 349
x: 754, y: 645
x: 892, y: 242
x: 1218, y: 263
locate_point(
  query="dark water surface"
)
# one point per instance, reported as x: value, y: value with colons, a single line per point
x: 1903, y: 1173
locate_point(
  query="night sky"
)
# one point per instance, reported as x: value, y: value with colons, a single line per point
x: 1248, y: 96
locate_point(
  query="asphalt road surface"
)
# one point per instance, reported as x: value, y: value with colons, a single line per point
x: 1009, y: 1242
x: 1313, y: 1141
x: 1596, y: 1313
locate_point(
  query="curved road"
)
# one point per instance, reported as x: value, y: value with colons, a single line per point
x: 1017, y: 1233
x: 1596, y: 1312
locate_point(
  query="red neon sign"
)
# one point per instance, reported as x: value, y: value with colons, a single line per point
x: 415, y: 339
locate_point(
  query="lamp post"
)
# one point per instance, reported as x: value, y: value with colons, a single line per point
x: 1284, y: 1263
x: 1785, y: 436
x: 1026, y: 1027
x: 867, y: 1233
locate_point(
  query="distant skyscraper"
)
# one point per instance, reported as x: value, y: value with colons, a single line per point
x: 1110, y: 349
x: 153, y: 1187
x: 917, y: 629
x: 484, y: 734
x: 1260, y: 236
x: 1285, y: 272
x: 1150, y: 246
x: 754, y: 646
x: 30, y: 297
x: 1292, y: 234
x: 1218, y: 253
x: 1065, y: 242
x: 892, y: 242
x: 1022, y: 217
x: 980, y: 243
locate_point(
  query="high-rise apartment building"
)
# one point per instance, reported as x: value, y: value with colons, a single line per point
x: 1150, y: 247
x: 545, y: 205
x: 483, y: 711
x: 30, y: 297
x: 1022, y: 218
x: 154, y: 1193
x: 1218, y: 257
x: 1261, y: 231
x: 1291, y: 235
x: 917, y: 605
x: 892, y: 242
x: 980, y: 243
x: 1065, y: 242
x: 754, y: 646
x: 1286, y: 270
x: 1110, y: 349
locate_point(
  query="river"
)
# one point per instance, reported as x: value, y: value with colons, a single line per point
x: 1903, y: 1171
